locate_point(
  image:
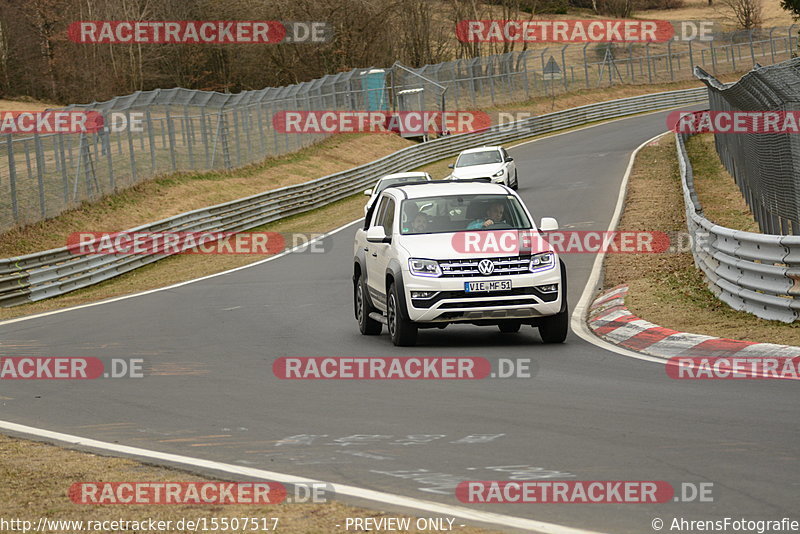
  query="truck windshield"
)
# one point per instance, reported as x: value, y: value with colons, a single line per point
x: 456, y: 213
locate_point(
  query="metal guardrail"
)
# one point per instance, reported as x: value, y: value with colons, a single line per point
x: 764, y: 166
x: 55, y: 272
x: 756, y: 273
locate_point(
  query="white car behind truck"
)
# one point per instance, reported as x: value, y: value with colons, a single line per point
x: 488, y: 162
x: 419, y: 263
x: 393, y: 179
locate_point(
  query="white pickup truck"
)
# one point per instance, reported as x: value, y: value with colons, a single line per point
x: 427, y: 256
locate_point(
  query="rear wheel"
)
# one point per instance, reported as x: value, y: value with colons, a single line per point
x: 509, y: 327
x: 367, y: 326
x: 402, y: 330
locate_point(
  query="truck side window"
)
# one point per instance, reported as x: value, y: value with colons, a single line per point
x: 387, y: 219
x: 377, y: 219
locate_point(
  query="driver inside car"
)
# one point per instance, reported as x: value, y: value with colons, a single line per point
x: 494, y: 214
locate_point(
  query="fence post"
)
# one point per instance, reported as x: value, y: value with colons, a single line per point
x: 586, y: 65
x: 130, y: 148
x: 649, y: 66
x: 152, y: 140
x: 106, y: 140
x: 669, y: 61
x: 713, y: 57
x: 189, y: 137
x: 12, y: 177
x: 171, y: 137
x: 772, y: 45
x: 64, y: 176
x: 37, y: 147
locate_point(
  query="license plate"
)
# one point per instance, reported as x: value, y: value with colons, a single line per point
x: 493, y: 285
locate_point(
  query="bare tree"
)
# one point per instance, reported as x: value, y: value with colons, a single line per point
x: 745, y: 13
x: 422, y: 39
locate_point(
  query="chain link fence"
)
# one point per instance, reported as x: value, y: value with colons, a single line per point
x: 517, y: 76
x: 765, y: 166
x: 42, y: 176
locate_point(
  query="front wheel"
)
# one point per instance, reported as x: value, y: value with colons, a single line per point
x: 516, y: 181
x: 366, y: 325
x: 554, y: 329
x: 402, y: 330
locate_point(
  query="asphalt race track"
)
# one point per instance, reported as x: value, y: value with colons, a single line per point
x: 587, y: 414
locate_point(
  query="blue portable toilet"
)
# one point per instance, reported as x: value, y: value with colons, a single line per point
x: 374, y: 81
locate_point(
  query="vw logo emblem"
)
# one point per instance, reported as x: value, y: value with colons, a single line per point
x: 486, y: 267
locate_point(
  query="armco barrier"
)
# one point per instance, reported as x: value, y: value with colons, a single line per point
x: 756, y: 273
x: 54, y: 272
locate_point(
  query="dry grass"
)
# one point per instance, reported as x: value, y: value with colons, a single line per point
x: 721, y: 199
x: 772, y: 13
x: 37, y: 477
x: 170, y: 195
x: 23, y: 105
x: 667, y: 289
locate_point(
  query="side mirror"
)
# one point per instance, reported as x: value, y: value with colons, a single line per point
x: 451, y: 166
x: 368, y: 192
x: 510, y: 159
x: 548, y: 224
x: 377, y: 234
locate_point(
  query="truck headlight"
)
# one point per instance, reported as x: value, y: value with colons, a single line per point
x: 541, y: 262
x: 421, y: 267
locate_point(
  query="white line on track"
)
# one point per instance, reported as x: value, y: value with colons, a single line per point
x: 417, y: 505
x: 578, y: 322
